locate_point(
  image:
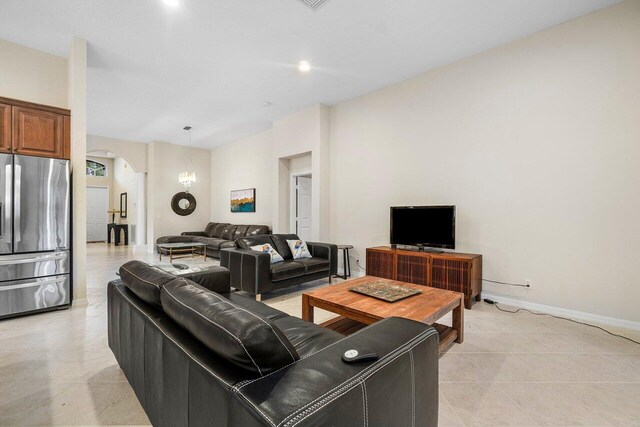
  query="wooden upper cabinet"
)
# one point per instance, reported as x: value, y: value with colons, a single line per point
x: 39, y: 133
x: 5, y: 128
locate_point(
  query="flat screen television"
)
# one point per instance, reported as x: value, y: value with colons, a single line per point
x: 430, y: 226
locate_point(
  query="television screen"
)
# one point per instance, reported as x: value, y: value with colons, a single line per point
x: 432, y: 226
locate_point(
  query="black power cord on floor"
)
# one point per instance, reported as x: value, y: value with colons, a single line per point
x: 488, y: 301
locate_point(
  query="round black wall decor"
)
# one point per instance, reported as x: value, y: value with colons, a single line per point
x: 183, y: 203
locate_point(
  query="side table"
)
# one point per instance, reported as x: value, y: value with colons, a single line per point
x: 346, y: 262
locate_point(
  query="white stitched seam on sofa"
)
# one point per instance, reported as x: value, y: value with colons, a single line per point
x: 190, y: 355
x: 220, y: 326
x: 221, y: 299
x: 413, y: 389
x: 172, y: 340
x: 140, y: 278
x: 242, y: 384
x: 318, y: 403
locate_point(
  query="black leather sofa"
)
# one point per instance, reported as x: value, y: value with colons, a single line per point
x: 217, y: 236
x: 190, y: 353
x: 252, y: 271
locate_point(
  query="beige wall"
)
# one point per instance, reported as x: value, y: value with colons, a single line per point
x: 300, y: 164
x: 244, y: 164
x: 536, y: 142
x: 135, y: 153
x: 32, y: 75
x: 165, y: 162
x: 77, y: 96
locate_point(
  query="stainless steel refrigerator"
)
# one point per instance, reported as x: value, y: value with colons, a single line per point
x: 35, y: 258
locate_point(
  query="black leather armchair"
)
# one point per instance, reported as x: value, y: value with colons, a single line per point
x: 252, y: 271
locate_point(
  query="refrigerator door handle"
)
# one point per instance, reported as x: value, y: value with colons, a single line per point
x: 6, y: 211
x: 17, y: 195
x: 32, y: 284
x: 33, y: 259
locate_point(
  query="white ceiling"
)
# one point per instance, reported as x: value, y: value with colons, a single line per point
x: 213, y: 63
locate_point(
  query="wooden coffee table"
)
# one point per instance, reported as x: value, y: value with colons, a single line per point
x: 357, y: 310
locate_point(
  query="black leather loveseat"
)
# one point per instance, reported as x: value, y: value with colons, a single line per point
x: 252, y: 271
x: 195, y: 357
x: 217, y: 236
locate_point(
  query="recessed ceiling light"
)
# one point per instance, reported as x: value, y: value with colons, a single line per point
x: 266, y: 104
x: 172, y: 3
x: 304, y: 66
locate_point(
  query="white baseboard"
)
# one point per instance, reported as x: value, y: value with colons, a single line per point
x: 564, y: 312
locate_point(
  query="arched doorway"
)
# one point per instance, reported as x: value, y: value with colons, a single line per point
x: 116, y: 192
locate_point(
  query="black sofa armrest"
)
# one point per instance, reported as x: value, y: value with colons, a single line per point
x: 250, y: 270
x: 326, y: 251
x: 193, y: 233
x: 399, y: 388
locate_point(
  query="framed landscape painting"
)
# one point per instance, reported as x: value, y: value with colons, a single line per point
x: 243, y: 200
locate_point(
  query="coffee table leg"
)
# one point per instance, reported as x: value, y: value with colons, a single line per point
x: 170, y: 255
x: 204, y: 253
x: 307, y: 309
x: 458, y: 321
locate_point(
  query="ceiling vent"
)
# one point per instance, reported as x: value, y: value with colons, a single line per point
x: 314, y: 4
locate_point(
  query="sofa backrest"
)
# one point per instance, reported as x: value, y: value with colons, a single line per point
x: 145, y: 281
x: 226, y: 231
x: 247, y: 341
x: 247, y: 242
x: 208, y: 231
x: 282, y: 246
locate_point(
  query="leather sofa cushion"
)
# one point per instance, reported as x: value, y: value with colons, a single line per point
x: 241, y: 231
x: 145, y: 281
x: 306, y: 337
x: 218, y: 230
x: 208, y: 231
x: 282, y: 246
x: 258, y: 308
x: 247, y: 242
x: 257, y: 230
x: 211, y: 242
x: 244, y: 339
x: 315, y: 264
x: 229, y: 231
x: 287, y: 269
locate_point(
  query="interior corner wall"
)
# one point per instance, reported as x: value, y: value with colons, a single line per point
x: 77, y: 95
x: 306, y: 131
x: 536, y: 142
x: 31, y: 75
x: 243, y: 164
x: 165, y: 162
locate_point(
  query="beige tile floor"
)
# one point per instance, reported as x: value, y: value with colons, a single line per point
x: 517, y: 370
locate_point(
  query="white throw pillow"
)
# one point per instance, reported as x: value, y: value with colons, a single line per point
x: 275, y: 256
x: 299, y: 249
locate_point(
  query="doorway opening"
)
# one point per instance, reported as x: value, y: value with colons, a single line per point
x: 115, y: 195
x: 301, y: 197
x: 97, y: 213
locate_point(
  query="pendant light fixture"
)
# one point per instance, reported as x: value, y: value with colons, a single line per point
x: 188, y: 178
